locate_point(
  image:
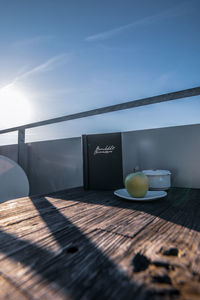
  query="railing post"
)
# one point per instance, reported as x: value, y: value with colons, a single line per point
x: 21, y: 148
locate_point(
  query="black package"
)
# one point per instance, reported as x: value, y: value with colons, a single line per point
x: 102, y: 161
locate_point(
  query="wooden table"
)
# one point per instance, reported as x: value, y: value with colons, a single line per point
x: 78, y: 244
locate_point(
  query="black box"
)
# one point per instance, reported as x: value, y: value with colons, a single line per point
x: 102, y: 161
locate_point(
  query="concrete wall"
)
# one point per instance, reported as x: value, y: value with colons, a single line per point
x: 56, y: 165
x: 173, y: 148
x: 10, y: 151
x: 51, y: 165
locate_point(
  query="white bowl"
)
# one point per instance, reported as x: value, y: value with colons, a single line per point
x: 158, y: 179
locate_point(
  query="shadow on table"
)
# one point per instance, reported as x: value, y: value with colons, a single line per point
x: 181, y: 206
x: 79, y: 270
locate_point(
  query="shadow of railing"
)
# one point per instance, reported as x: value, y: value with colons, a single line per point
x: 181, y: 206
x: 79, y: 269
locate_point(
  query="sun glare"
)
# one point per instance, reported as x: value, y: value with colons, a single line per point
x: 15, y: 107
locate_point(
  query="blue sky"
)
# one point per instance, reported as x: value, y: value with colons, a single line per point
x: 60, y: 57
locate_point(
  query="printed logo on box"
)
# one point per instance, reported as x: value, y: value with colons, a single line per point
x: 106, y: 150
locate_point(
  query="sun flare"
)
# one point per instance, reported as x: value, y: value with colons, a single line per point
x: 15, y: 107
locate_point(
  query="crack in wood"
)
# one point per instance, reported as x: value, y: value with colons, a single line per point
x: 17, y: 287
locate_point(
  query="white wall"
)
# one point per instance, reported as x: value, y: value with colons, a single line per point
x: 57, y: 164
x: 51, y: 165
x: 173, y: 148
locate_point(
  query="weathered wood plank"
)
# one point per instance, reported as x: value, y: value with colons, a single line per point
x: 47, y: 272
x: 96, y: 246
x: 170, y: 249
x: 113, y: 216
x: 9, y: 291
x: 105, y: 211
x: 64, y: 237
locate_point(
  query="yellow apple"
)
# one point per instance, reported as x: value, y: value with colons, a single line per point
x: 137, y: 184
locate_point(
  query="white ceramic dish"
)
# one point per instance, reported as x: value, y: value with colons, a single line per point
x: 158, y: 179
x: 150, y: 195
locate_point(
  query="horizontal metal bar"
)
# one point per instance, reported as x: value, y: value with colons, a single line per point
x: 131, y: 104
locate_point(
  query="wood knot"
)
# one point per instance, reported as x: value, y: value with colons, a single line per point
x: 161, y: 279
x: 169, y: 291
x: 172, y: 251
x: 140, y: 262
x: 72, y: 249
x: 160, y: 263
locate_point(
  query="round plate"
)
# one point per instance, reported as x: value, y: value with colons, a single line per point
x: 13, y: 180
x: 150, y: 195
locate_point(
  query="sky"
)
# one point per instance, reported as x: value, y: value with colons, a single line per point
x: 59, y: 57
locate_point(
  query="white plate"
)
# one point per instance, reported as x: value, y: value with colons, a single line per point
x: 13, y: 180
x: 150, y: 195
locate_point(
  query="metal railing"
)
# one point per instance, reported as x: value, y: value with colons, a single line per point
x: 107, y: 109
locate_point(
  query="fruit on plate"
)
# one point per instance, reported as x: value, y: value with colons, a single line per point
x: 137, y: 184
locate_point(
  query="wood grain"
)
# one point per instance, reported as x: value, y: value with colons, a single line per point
x: 78, y: 244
